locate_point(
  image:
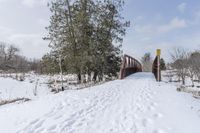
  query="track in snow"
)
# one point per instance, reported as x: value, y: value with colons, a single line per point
x: 133, y: 105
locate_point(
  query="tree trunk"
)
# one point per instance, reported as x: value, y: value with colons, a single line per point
x: 183, y: 80
x: 79, y: 78
x: 192, y: 80
x: 89, y: 77
x: 95, y: 77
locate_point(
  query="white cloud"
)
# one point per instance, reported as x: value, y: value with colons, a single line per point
x: 182, y: 7
x: 33, y: 3
x: 174, y: 24
x: 144, y: 28
x: 32, y: 45
x: 139, y: 18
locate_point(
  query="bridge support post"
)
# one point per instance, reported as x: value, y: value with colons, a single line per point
x: 156, y: 66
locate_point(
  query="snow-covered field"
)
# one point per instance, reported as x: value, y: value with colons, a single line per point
x: 10, y: 89
x: 32, y: 87
x: 170, y: 77
x: 136, y: 104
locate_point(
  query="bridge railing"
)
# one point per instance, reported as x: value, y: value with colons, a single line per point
x: 129, y: 66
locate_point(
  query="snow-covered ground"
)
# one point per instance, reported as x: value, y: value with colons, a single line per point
x: 32, y: 87
x: 169, y: 76
x: 11, y: 89
x: 136, y: 104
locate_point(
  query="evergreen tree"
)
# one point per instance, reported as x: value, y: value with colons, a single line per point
x: 83, y: 33
x: 162, y: 64
x: 50, y: 64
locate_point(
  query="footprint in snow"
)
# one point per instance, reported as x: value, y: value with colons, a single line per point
x: 153, y: 104
x: 158, y: 131
x: 33, y: 122
x: 39, y: 124
x: 69, y: 123
x: 51, y: 113
x: 58, y: 117
x: 151, y: 108
x: 40, y: 130
x: 158, y: 115
x: 53, y: 127
x: 146, y: 122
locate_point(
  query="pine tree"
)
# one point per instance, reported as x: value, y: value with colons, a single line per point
x: 83, y: 33
x: 162, y: 64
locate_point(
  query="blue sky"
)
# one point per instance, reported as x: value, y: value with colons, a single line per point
x: 164, y: 24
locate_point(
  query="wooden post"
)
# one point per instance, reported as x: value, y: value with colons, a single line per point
x: 158, y: 64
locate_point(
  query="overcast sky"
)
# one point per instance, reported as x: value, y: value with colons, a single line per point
x: 23, y: 22
x: 164, y: 24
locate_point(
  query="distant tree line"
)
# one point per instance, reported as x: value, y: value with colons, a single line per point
x: 86, y: 38
x: 12, y: 61
x: 186, y: 64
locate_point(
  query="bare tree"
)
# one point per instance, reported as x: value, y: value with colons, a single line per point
x: 169, y: 72
x: 195, y: 58
x: 7, y: 54
x: 2, y: 54
x: 11, y: 60
x: 180, y: 60
x: 11, y: 52
x: 191, y: 68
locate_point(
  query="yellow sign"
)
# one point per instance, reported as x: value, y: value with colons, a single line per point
x: 158, y: 52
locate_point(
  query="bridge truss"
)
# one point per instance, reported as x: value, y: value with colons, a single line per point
x: 129, y: 66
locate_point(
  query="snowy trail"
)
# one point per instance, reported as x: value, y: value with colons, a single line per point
x: 135, y: 105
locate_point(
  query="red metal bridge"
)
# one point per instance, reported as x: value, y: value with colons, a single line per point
x: 130, y: 66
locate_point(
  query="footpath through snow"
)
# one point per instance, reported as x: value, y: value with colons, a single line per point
x: 137, y: 104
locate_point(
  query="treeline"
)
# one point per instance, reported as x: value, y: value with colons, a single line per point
x: 86, y: 38
x: 12, y: 61
x: 186, y: 64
